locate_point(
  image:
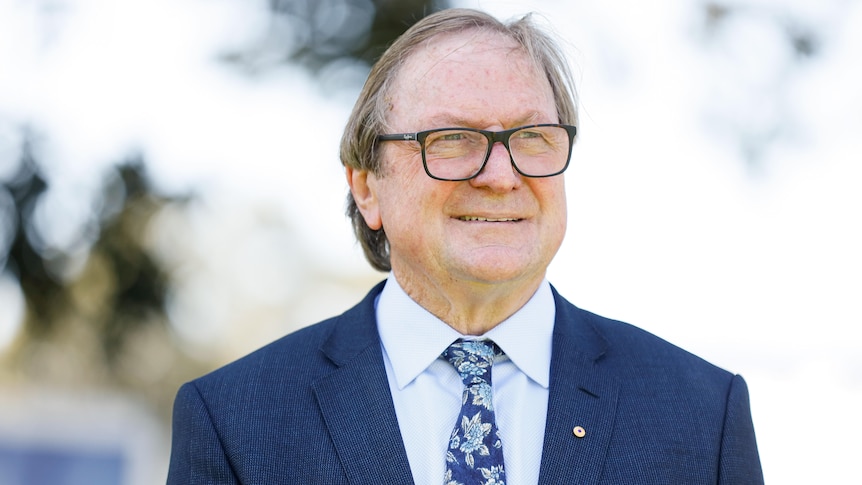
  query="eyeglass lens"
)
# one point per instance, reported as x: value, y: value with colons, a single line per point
x: 459, y: 154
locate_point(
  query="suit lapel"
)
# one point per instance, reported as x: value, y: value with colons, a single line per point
x: 581, y: 395
x: 356, y: 403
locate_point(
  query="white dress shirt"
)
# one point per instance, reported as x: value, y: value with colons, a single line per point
x: 426, y: 389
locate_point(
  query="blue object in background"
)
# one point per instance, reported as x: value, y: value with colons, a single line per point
x: 53, y: 465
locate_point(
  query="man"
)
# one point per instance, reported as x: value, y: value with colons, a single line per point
x: 465, y: 366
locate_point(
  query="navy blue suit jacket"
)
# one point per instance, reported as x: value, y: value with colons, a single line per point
x: 314, y: 408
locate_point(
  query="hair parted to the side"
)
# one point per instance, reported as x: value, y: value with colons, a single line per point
x: 368, y: 118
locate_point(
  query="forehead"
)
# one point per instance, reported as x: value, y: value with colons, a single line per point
x: 474, y: 77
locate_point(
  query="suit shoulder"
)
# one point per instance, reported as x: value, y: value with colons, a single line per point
x: 294, y: 354
x: 296, y: 359
x: 629, y: 348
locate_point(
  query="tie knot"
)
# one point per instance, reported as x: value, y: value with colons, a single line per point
x: 472, y: 358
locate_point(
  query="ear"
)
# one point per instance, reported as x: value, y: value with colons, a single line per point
x: 363, y: 186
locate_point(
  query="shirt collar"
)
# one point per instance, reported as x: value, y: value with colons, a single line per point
x: 413, y: 338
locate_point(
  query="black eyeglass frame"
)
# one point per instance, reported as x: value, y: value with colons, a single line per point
x: 493, y: 137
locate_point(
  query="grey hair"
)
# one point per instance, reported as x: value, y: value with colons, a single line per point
x: 368, y: 118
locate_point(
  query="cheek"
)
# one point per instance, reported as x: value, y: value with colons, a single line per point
x: 552, y: 199
x: 551, y: 194
x: 406, y: 222
x: 405, y: 195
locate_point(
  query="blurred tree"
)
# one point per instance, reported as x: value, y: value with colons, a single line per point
x: 316, y: 33
x: 91, y: 301
x: 22, y: 192
x: 116, y: 230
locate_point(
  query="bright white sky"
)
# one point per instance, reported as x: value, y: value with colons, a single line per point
x: 756, y: 268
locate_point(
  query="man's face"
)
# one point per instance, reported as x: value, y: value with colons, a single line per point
x: 496, y: 228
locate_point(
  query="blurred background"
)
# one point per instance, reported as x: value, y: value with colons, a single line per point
x: 171, y: 199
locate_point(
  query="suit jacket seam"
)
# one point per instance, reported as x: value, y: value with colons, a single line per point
x: 217, y: 432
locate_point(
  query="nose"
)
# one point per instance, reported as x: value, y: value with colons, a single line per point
x: 498, y: 173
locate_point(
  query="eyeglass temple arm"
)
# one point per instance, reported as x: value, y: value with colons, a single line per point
x: 397, y: 137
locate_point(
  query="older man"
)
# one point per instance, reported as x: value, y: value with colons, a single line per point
x: 465, y: 366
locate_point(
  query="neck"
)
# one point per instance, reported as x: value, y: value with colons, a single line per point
x: 471, y: 308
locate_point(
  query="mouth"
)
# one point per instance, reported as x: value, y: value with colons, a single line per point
x: 487, y: 219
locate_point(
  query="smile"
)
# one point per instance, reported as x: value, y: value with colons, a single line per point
x: 485, y: 219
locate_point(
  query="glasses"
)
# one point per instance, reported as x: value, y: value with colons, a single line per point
x: 457, y: 154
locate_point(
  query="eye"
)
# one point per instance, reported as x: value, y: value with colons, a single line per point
x: 454, y: 140
x: 526, y: 134
x: 451, y: 136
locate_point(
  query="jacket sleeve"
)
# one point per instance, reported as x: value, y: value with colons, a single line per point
x: 197, y: 455
x: 739, y: 460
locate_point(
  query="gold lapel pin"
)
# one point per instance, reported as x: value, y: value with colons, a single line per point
x: 579, y: 432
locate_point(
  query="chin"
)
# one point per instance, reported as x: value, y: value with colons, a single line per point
x: 500, y: 274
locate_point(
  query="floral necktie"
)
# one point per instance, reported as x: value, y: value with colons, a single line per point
x: 475, y: 454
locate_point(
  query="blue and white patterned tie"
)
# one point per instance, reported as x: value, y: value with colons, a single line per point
x: 475, y: 455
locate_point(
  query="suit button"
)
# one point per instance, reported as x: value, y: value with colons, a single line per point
x: 579, y: 432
